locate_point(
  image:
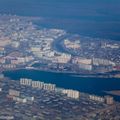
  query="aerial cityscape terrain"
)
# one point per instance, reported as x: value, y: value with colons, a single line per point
x: 25, y: 45
x: 59, y: 60
x: 34, y: 100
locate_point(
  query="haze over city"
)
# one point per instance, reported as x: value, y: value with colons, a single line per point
x: 59, y: 60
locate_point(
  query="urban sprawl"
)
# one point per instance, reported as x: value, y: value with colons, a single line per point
x: 26, y: 99
x: 25, y: 45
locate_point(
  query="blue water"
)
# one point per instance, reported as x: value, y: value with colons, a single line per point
x: 94, y: 18
x: 66, y: 80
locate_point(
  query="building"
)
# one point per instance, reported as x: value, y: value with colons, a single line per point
x: 96, y: 98
x: 14, y: 93
x: 37, y: 84
x: 109, y: 100
x: 25, y: 81
x: 78, y: 60
x: 71, y: 45
x: 28, y: 98
x: 71, y: 93
x: 49, y: 87
x: 62, y: 58
x: 2, y: 60
x: 98, y: 61
x: 9, y: 66
x: 4, y: 41
x: 21, y: 100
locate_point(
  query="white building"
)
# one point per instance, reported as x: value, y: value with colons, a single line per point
x: 96, y: 98
x: 98, y: 61
x: 21, y: 100
x: 37, y: 84
x: 49, y: 87
x: 14, y: 92
x: 78, y: 60
x: 71, y: 93
x: 25, y: 81
x: 71, y: 45
x: 62, y: 58
x: 109, y: 100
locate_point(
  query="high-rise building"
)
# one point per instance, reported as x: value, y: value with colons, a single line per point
x: 50, y: 87
x: 96, y: 98
x: 71, y: 93
x: 37, y: 84
x: 25, y: 81
x: 109, y: 100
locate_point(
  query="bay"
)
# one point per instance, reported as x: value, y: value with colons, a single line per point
x: 94, y: 18
x: 69, y: 81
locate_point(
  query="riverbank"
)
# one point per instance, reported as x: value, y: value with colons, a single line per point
x: 71, y: 73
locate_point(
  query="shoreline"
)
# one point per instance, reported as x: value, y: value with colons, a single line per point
x: 74, y: 74
x: 113, y: 92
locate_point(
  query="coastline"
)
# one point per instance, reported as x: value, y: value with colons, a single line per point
x: 74, y: 74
